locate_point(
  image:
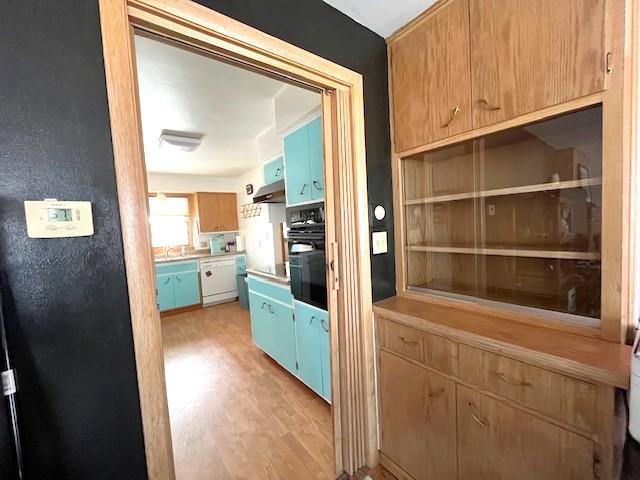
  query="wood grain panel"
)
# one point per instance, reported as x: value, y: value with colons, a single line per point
x: 430, y: 78
x: 217, y: 212
x: 432, y: 350
x: 558, y: 396
x: 582, y: 357
x: 498, y: 442
x: 418, y: 419
x: 530, y: 54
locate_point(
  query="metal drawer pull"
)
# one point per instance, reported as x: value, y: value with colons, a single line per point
x: 270, y: 308
x: 323, y: 322
x: 456, y: 111
x: 487, y: 105
x: 303, y: 187
x: 167, y: 281
x: 264, y: 304
x: 408, y: 342
x: 312, y: 319
x: 478, y: 421
x: 277, y: 172
x: 436, y: 394
x: 317, y: 185
x: 511, y: 381
x: 178, y: 279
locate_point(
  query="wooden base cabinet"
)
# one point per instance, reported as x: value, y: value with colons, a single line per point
x: 499, y: 442
x: 418, y: 419
x: 454, y: 404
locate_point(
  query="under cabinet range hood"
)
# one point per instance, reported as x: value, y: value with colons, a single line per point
x: 272, y: 193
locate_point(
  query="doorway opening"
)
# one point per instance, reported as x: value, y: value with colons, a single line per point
x: 235, y: 174
x: 347, y: 233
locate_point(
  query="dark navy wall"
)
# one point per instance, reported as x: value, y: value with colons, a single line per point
x: 71, y: 333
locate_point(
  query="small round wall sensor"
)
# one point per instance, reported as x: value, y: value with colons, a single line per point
x: 379, y: 212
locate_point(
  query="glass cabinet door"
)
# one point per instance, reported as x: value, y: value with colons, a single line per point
x: 512, y: 217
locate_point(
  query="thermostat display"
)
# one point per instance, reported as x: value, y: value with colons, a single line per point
x: 55, y: 219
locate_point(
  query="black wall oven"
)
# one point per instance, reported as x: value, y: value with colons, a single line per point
x: 307, y: 261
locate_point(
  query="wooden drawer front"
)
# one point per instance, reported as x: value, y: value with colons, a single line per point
x: 431, y: 350
x: 553, y: 394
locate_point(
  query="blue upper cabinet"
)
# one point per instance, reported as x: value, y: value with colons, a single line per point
x: 304, y: 163
x: 274, y: 171
x: 296, y: 164
x: 316, y: 159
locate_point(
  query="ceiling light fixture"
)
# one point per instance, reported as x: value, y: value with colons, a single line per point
x: 180, y: 141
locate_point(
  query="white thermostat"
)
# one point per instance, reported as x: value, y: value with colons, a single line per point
x: 51, y: 218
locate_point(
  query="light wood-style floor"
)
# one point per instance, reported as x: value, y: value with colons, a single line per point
x: 236, y: 414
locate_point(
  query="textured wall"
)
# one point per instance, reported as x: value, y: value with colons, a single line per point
x: 71, y: 335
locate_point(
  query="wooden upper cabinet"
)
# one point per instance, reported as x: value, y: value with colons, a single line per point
x: 431, y: 85
x: 217, y: 212
x: 530, y: 54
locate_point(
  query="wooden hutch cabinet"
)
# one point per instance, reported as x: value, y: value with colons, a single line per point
x: 503, y: 355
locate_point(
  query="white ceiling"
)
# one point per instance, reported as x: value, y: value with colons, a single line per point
x: 185, y: 91
x: 382, y: 16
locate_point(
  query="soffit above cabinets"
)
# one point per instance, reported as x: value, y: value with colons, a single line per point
x: 382, y: 16
x: 184, y: 91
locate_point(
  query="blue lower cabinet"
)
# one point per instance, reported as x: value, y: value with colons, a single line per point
x: 272, y: 329
x: 186, y: 289
x: 312, y: 337
x: 166, y: 298
x: 177, y: 285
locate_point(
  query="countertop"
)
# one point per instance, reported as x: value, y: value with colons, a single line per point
x: 276, y: 274
x: 198, y: 255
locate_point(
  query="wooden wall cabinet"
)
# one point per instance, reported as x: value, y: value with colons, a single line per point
x: 216, y: 212
x: 431, y: 79
x: 530, y: 54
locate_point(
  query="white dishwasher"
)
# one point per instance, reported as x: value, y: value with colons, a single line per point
x: 218, y: 280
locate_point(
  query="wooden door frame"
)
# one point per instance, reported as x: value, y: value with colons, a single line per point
x: 351, y: 339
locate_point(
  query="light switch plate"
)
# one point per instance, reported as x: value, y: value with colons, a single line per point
x: 379, y: 242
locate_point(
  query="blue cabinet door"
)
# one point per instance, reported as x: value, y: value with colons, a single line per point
x: 316, y: 159
x: 296, y: 165
x: 325, y: 357
x: 283, y: 331
x: 166, y: 297
x: 186, y: 289
x: 274, y: 171
x: 260, y: 328
x: 309, y: 343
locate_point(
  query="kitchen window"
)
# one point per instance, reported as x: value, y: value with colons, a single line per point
x: 170, y: 220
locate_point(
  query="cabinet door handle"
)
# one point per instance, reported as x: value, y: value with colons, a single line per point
x: 167, y: 280
x: 264, y: 304
x: 312, y: 319
x: 277, y: 172
x: 487, y: 105
x: 323, y: 322
x: 455, y: 112
x: 475, y: 417
x: 270, y: 308
x: 316, y: 184
x: 178, y: 279
x: 512, y: 381
x: 303, y: 187
x: 408, y: 342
